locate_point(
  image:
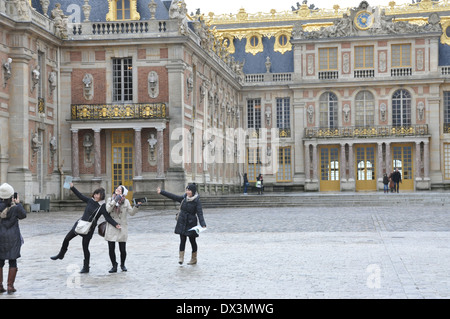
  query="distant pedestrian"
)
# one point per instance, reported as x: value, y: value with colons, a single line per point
x: 260, y: 184
x: 386, y: 183
x: 94, y: 204
x: 11, y: 211
x: 190, y: 209
x: 119, y: 207
x: 397, y: 179
x: 246, y: 183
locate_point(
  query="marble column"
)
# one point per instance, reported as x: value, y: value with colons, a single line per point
x: 426, y: 160
x: 343, y: 166
x: 388, y: 159
x: 137, y: 153
x: 418, y: 161
x: 160, y: 153
x: 75, y: 155
x: 315, y: 164
x: 307, y: 163
x: 97, y: 154
x: 351, y: 164
x: 380, y: 161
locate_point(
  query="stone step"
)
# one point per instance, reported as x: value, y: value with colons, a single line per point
x: 301, y: 199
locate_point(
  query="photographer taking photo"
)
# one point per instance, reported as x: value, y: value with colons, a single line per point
x: 11, y: 210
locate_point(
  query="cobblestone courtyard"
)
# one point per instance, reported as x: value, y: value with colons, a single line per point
x: 256, y: 253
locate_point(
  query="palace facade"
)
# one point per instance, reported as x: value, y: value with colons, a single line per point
x: 146, y: 94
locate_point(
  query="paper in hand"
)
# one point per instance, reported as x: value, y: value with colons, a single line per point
x: 198, y: 229
x: 67, y: 182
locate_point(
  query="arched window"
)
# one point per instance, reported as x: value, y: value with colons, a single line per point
x: 328, y: 110
x: 365, y: 109
x: 401, y: 108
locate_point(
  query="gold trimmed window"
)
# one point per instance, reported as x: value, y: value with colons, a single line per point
x: 254, y: 43
x: 284, y: 173
x: 364, y: 57
x: 446, y: 160
x: 401, y: 55
x: 228, y: 42
x: 282, y: 42
x: 121, y: 10
x: 328, y: 59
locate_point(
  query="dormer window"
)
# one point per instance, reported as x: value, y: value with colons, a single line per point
x: 121, y: 10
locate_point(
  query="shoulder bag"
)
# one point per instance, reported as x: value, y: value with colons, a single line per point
x: 83, y: 227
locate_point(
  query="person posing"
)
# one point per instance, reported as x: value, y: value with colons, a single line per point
x: 397, y: 178
x: 246, y: 183
x: 260, y: 184
x: 95, y: 203
x: 11, y: 211
x: 119, y: 207
x: 190, y: 208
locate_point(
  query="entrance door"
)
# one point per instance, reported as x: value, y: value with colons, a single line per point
x: 122, y: 160
x: 329, y: 168
x: 365, y: 168
x: 402, y: 158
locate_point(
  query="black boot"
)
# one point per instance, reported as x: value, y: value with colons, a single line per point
x: 85, y: 269
x: 122, y: 266
x: 114, y: 268
x: 60, y: 255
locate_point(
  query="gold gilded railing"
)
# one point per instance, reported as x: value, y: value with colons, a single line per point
x: 365, y: 132
x: 86, y: 112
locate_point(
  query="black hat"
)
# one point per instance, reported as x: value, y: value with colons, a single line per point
x: 192, y: 188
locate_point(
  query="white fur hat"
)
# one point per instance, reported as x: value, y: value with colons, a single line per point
x: 6, y: 191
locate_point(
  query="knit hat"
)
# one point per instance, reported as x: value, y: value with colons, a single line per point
x: 124, y: 190
x: 6, y: 191
x: 192, y: 188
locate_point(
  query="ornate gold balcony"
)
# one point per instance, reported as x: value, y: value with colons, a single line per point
x: 90, y: 112
x: 365, y: 132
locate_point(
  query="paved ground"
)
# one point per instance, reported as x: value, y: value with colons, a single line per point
x: 361, y: 252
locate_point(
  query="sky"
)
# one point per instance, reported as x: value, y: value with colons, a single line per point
x: 255, y: 6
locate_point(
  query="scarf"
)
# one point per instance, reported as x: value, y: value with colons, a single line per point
x: 190, y: 199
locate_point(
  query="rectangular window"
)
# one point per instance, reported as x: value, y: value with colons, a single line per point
x: 283, y: 112
x: 123, y: 10
x: 401, y: 55
x: 328, y: 59
x: 253, y: 163
x: 284, y: 173
x: 447, y: 160
x: 254, y: 113
x: 364, y: 57
x: 447, y: 108
x: 123, y: 80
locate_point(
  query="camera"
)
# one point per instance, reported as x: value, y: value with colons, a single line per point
x: 137, y: 200
x: 15, y: 195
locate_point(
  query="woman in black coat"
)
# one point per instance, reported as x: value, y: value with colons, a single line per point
x: 90, y: 214
x: 190, y: 208
x: 11, y: 211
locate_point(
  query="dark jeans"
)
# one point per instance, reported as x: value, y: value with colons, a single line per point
x: 396, y: 187
x: 191, y: 240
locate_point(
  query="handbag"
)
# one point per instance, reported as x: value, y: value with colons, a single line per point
x: 83, y: 227
x: 102, y: 229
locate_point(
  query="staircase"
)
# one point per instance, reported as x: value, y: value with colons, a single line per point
x: 300, y: 199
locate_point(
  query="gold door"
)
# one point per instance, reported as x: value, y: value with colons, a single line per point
x: 329, y: 168
x: 122, y: 147
x: 402, y: 158
x: 365, y: 168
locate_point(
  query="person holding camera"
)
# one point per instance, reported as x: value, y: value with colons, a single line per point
x: 119, y: 207
x: 94, y: 203
x: 11, y: 211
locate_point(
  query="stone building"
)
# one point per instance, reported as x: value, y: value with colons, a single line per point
x: 146, y: 94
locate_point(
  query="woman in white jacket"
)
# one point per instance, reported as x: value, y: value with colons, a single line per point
x: 119, y: 207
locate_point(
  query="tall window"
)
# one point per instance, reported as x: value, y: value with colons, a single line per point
x: 446, y: 111
x: 365, y: 109
x: 328, y: 109
x: 254, y: 113
x: 328, y: 59
x: 364, y: 57
x: 123, y: 80
x: 446, y: 160
x: 123, y: 10
x: 284, y: 173
x: 401, y: 55
x: 283, y: 113
x: 401, y: 108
